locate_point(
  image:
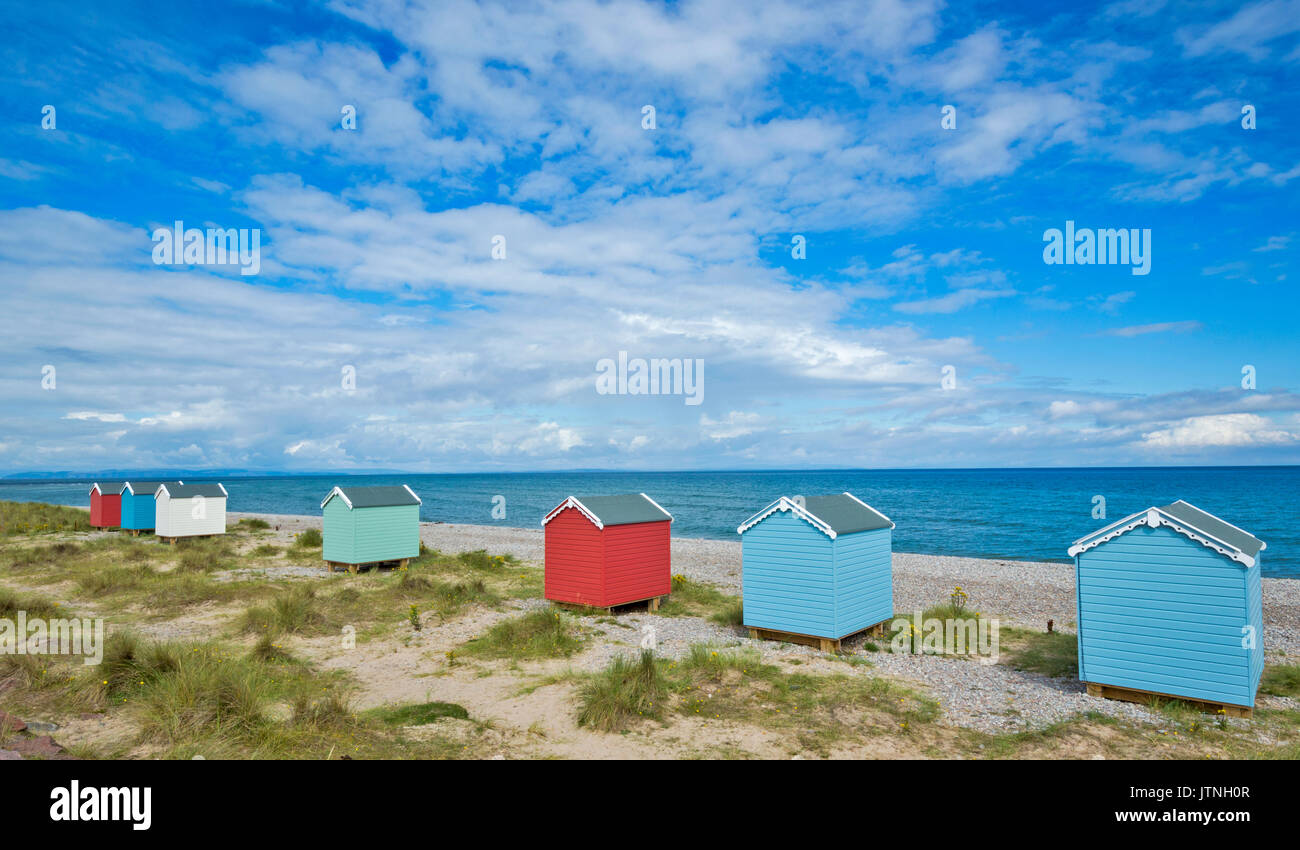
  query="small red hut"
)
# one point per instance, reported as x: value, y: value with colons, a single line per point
x: 106, y: 504
x: 608, y: 550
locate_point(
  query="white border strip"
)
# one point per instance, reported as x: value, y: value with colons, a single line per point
x: 868, y: 507
x: 657, y: 505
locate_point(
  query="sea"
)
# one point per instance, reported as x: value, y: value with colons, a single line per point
x: 1016, y: 514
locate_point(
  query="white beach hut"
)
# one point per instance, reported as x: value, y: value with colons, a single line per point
x: 189, y: 510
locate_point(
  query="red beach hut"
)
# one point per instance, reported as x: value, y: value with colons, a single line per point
x: 604, y: 551
x: 106, y: 504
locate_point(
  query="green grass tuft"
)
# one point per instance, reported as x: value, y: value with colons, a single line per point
x: 1281, y: 680
x: 418, y: 714
x: 537, y: 634
x: 625, y: 691
x: 1054, y: 654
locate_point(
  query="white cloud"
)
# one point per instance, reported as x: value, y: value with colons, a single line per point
x: 1156, y: 328
x: 953, y: 301
x: 1227, y: 430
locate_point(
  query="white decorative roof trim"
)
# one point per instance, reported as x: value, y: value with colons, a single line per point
x: 657, y: 505
x: 95, y: 486
x: 784, y: 504
x: 1154, y: 517
x: 337, y: 491
x: 574, y: 503
x: 868, y: 507
x: 417, y: 499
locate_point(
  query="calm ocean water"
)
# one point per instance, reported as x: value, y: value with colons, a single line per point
x: 1023, y: 514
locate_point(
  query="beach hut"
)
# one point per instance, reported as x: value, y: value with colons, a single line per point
x: 1169, y: 603
x: 604, y: 551
x: 106, y: 504
x: 370, y: 525
x: 816, y: 570
x: 189, y: 510
x: 138, y: 505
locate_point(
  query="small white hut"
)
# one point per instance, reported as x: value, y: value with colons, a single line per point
x: 189, y: 510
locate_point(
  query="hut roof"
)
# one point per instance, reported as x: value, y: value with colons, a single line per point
x: 143, y: 488
x: 107, y: 488
x: 614, y: 510
x: 189, y: 491
x: 374, y: 497
x: 841, y: 513
x: 1188, y: 520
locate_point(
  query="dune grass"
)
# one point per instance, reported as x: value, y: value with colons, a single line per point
x: 32, y: 518
x: 11, y: 602
x: 691, y: 598
x: 417, y: 714
x: 537, y: 634
x: 297, y: 610
x: 713, y: 683
x: 625, y: 691
x: 1281, y: 680
x: 187, y: 699
x: 1054, y: 654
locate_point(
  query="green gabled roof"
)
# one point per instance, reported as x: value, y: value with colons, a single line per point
x: 841, y: 513
x: 190, y: 491
x: 374, y: 497
x: 614, y: 510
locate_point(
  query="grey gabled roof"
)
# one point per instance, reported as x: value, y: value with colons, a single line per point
x: 190, y: 491
x: 841, y: 513
x: 1214, y: 527
x: 145, y: 488
x: 108, y: 488
x: 1188, y: 520
x: 386, y: 496
x: 614, y: 510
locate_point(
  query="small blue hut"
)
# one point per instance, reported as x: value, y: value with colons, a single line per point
x: 819, y: 567
x: 1169, y: 603
x: 138, y: 505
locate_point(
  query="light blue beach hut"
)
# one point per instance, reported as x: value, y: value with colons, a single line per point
x: 138, y: 505
x: 816, y: 570
x: 370, y: 525
x: 1169, y: 603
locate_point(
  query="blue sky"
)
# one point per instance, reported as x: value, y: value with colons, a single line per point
x: 924, y: 245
